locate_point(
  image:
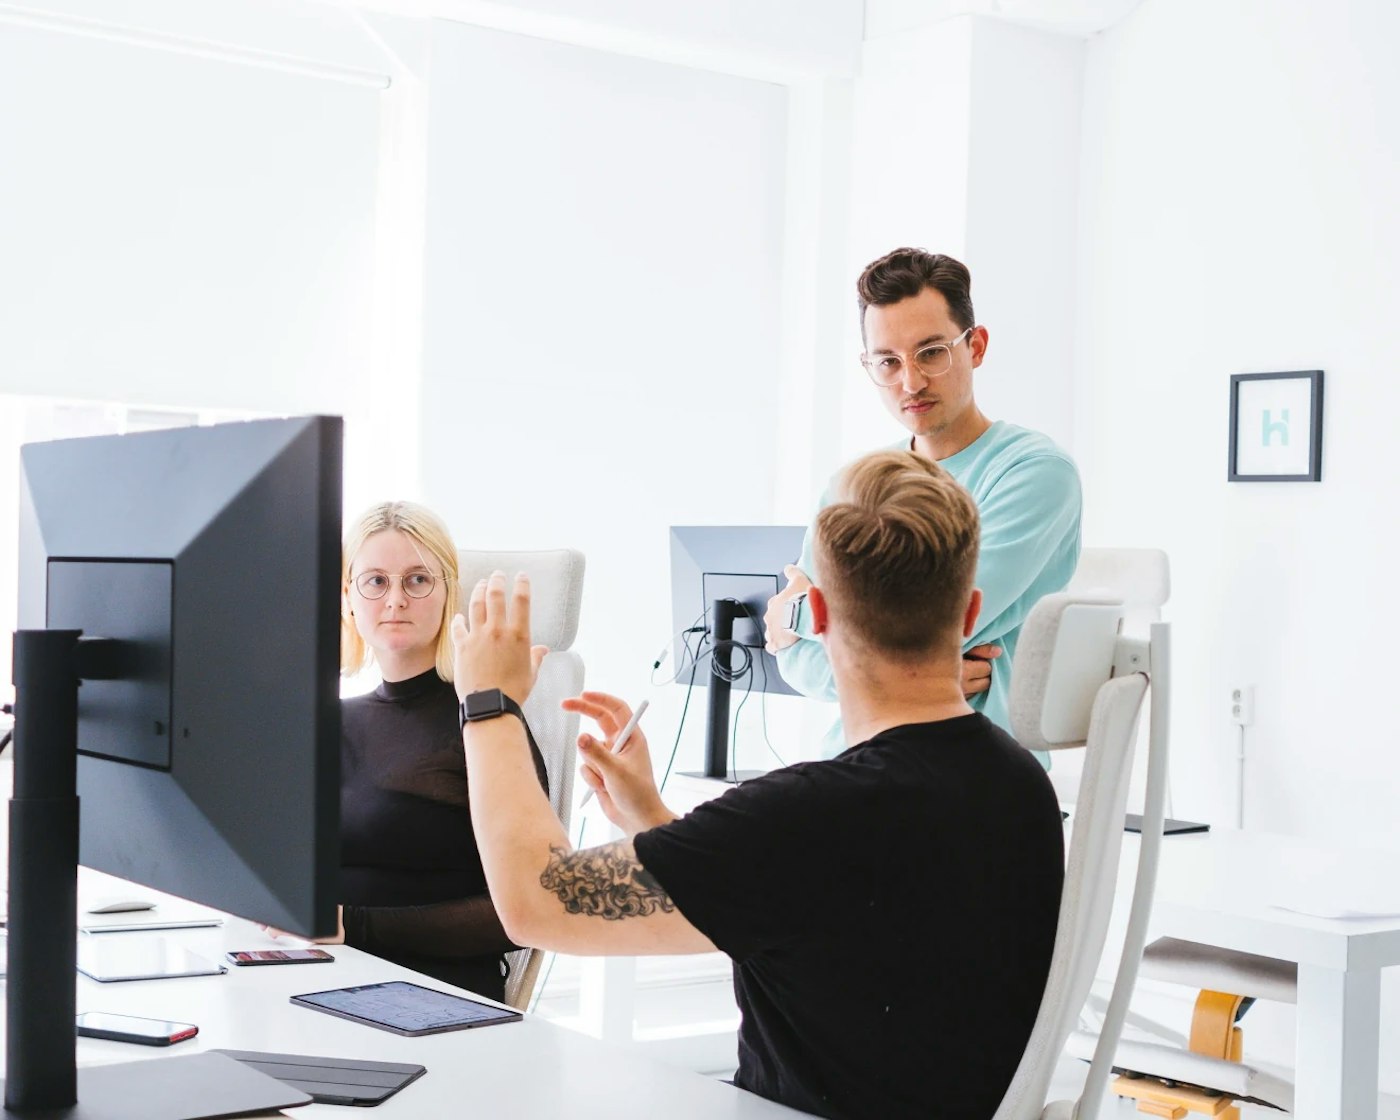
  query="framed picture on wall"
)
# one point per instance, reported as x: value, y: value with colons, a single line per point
x: 1276, y: 427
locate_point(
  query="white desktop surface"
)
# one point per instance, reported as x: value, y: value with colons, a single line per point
x: 1223, y: 888
x: 530, y: 1069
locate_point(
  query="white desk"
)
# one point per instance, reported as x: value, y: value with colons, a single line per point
x: 529, y: 1069
x: 1220, y: 888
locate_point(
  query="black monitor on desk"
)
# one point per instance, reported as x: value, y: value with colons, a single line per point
x: 722, y: 577
x: 177, y: 668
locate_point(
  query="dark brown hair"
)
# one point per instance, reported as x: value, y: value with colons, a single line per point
x: 896, y: 554
x: 907, y: 272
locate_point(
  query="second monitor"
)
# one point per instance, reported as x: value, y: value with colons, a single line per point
x: 722, y: 577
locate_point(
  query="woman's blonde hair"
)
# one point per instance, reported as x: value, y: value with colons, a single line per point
x: 429, y: 535
x: 896, y: 553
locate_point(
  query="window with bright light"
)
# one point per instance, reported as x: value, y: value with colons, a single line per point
x: 26, y: 419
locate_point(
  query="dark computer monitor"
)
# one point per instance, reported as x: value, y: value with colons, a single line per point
x: 189, y: 581
x: 722, y: 577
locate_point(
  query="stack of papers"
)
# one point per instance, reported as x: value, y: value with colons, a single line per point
x: 1324, y: 900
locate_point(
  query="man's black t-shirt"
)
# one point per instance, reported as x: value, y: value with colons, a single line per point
x: 890, y: 913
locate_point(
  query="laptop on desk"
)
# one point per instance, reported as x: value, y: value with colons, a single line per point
x: 145, y: 920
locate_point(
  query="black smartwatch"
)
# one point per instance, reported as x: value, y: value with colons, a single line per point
x: 488, y: 704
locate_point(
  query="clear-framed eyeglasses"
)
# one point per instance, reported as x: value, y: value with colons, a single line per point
x: 933, y: 360
x: 418, y: 583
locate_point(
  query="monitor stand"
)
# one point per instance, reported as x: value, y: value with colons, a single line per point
x: 723, y: 612
x: 731, y: 778
x: 42, y: 1079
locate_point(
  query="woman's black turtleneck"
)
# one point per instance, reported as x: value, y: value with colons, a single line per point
x: 411, y: 880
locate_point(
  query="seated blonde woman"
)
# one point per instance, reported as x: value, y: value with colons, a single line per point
x: 412, y: 886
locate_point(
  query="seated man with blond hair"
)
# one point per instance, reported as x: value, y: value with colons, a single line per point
x: 890, y: 912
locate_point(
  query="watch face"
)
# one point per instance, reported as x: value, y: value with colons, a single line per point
x: 484, y: 705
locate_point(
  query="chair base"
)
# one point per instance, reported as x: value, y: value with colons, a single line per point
x: 1213, y: 1035
x: 1176, y: 1102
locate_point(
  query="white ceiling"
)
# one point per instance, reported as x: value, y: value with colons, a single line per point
x: 780, y: 41
x: 1068, y: 17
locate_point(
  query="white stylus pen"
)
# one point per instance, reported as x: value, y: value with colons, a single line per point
x: 627, y: 729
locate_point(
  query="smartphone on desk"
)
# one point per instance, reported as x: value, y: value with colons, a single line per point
x: 133, y: 1028
x: 279, y: 956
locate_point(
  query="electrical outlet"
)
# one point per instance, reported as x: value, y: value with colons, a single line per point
x: 1242, y: 705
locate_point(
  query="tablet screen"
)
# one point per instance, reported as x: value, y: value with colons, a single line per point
x: 407, y: 1008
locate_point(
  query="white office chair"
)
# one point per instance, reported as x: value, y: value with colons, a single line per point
x: 556, y: 593
x: 1080, y: 683
x: 1141, y: 578
x: 1212, y: 1056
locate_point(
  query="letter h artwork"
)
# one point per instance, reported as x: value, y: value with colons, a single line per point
x: 1276, y: 427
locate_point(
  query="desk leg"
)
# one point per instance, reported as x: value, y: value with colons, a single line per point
x: 1338, y: 1044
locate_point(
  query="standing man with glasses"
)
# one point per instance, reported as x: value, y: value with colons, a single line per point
x: 922, y: 344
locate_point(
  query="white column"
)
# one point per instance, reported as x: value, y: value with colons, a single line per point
x: 383, y: 460
x: 608, y: 997
x: 817, y: 293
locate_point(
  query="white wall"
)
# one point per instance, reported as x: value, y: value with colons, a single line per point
x: 1238, y: 214
x: 603, y: 319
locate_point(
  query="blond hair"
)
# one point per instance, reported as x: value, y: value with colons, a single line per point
x: 896, y: 554
x: 429, y: 534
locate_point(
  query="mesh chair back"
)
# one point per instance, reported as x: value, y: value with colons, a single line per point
x: 556, y: 594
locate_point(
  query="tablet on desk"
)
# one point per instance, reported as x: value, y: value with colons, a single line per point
x: 141, y: 959
x: 407, y: 1009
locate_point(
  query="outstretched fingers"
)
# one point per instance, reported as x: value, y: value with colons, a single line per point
x: 608, y: 711
x: 476, y: 605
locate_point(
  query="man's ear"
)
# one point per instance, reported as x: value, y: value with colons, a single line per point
x: 974, y: 608
x: 819, y: 610
x: 977, y: 344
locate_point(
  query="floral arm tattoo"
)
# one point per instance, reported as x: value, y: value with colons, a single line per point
x: 604, y: 882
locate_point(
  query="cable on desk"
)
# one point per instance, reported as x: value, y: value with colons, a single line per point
x: 680, y: 726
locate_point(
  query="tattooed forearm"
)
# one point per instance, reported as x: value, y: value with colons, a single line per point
x: 605, y: 882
